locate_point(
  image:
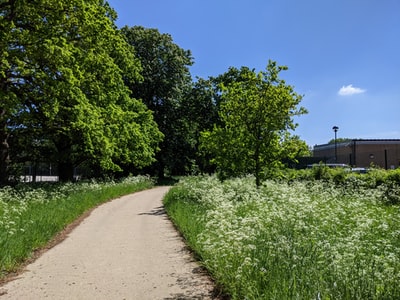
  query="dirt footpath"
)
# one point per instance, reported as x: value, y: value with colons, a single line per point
x: 125, y: 249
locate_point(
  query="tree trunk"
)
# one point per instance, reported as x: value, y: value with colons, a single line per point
x: 64, y: 155
x: 161, y: 170
x: 258, y: 175
x: 257, y: 170
x: 4, y: 150
x: 65, y: 171
x: 34, y: 172
x: 4, y: 160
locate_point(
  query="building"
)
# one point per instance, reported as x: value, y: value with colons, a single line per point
x: 361, y: 153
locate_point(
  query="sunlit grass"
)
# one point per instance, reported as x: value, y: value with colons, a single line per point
x: 298, y: 240
x: 30, y: 216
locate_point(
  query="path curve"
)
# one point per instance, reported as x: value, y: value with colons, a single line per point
x: 125, y: 249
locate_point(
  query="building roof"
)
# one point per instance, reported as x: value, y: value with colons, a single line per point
x: 358, y: 142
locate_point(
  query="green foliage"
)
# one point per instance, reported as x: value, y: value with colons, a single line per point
x: 166, y: 81
x: 256, y: 112
x: 293, y: 148
x: 30, y: 216
x: 386, y: 181
x: 200, y: 109
x: 339, y: 140
x: 69, y: 81
x: 391, y: 193
x: 296, y: 240
x: 391, y: 187
x: 394, y: 176
x: 182, y: 215
x: 373, y: 178
x: 63, y: 83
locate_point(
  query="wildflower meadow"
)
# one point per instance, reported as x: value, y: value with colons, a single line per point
x: 31, y: 215
x: 297, y: 239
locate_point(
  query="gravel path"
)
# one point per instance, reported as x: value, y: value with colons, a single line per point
x: 125, y: 249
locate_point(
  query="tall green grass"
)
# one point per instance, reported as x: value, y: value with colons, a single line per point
x: 30, y: 216
x: 291, y: 240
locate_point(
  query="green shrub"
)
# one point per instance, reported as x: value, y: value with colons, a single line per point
x: 391, y: 193
x: 376, y: 177
x: 321, y: 172
x: 339, y: 175
x: 393, y: 176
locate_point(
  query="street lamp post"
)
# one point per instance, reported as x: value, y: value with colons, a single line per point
x: 335, y: 129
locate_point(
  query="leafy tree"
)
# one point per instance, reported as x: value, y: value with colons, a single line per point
x: 294, y: 151
x: 62, y: 78
x: 339, y: 140
x: 166, y: 82
x: 199, y: 110
x: 256, y: 112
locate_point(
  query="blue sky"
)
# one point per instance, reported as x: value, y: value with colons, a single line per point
x: 343, y: 55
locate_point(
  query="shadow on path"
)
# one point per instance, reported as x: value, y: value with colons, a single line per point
x: 158, y: 211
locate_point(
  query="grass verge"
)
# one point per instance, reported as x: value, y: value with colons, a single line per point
x: 30, y: 216
x: 297, y: 240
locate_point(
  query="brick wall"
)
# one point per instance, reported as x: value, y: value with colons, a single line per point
x: 362, y: 153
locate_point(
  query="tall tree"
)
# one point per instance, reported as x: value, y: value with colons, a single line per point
x: 256, y: 111
x: 62, y: 78
x: 166, y: 81
x: 200, y: 110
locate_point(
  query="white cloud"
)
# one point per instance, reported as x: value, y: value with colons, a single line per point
x: 350, y: 90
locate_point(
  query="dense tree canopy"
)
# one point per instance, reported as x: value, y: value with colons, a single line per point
x: 256, y: 112
x: 62, y: 83
x: 166, y: 82
x: 77, y: 91
x: 200, y: 107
